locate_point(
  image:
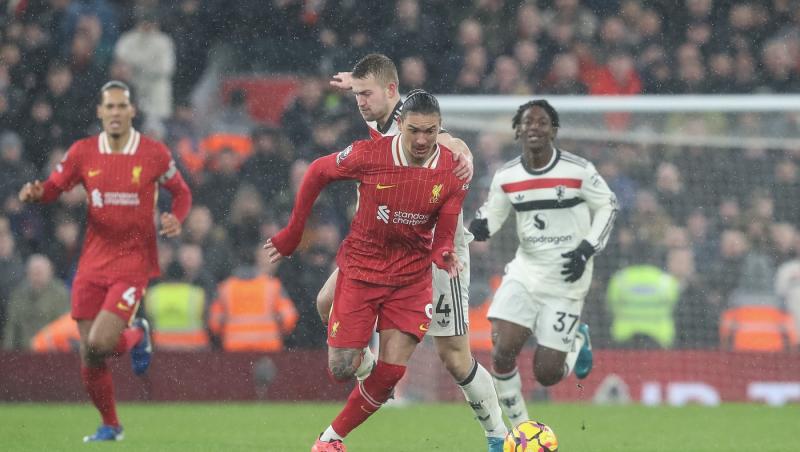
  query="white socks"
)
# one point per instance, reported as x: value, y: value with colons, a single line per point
x: 329, y: 435
x: 509, y: 393
x: 572, y: 355
x: 479, y: 391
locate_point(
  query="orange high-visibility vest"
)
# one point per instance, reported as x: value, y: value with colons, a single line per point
x: 480, y: 328
x: 757, y: 328
x: 60, y: 335
x: 252, y: 314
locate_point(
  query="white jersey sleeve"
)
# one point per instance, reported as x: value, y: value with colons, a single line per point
x: 497, y: 206
x: 602, y: 203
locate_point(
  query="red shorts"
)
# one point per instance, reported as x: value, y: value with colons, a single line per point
x: 120, y: 296
x: 357, y: 304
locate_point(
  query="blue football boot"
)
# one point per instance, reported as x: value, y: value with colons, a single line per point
x: 583, y: 365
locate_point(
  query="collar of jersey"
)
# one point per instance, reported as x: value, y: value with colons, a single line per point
x: 550, y: 165
x: 129, y: 148
x: 400, y: 159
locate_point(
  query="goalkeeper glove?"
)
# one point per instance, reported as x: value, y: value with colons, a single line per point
x: 575, y: 266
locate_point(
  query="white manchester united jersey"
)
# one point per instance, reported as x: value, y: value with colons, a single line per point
x: 557, y: 206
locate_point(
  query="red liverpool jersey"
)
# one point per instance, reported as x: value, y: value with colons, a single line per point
x: 121, y: 188
x: 390, y: 238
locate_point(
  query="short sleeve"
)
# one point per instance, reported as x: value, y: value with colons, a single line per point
x: 350, y: 160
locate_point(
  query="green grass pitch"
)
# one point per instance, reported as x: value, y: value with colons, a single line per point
x: 232, y: 427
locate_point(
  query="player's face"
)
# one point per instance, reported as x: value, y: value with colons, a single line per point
x: 116, y: 112
x: 372, y: 98
x: 419, y: 131
x: 536, y: 130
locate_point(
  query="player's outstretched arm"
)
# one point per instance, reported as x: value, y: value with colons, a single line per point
x: 181, y: 204
x: 442, y: 251
x: 320, y: 173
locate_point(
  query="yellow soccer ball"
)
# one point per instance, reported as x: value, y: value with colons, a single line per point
x: 531, y: 436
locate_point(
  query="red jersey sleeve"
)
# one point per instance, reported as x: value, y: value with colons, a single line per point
x: 66, y: 174
x: 339, y: 166
x: 447, y: 222
x: 172, y: 180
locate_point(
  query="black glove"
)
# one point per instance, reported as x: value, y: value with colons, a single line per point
x: 480, y: 229
x: 578, y: 257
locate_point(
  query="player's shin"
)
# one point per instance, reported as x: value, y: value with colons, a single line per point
x: 367, y: 397
x: 509, y: 393
x: 478, y: 389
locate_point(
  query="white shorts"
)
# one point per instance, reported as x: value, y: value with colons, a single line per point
x: 552, y: 319
x: 450, y: 306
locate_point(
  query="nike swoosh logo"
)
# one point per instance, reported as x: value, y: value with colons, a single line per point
x: 484, y: 418
x: 93, y: 173
x: 384, y: 187
x: 123, y: 307
x: 423, y: 327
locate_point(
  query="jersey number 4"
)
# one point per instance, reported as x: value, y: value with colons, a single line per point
x: 561, y: 323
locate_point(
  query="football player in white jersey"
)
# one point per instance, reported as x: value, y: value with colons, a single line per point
x: 374, y: 82
x: 565, y: 212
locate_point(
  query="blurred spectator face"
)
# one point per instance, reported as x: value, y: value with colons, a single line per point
x: 10, y: 54
x: 733, y: 244
x: 742, y: 16
x: 327, y: 236
x: 686, y: 53
x: 529, y: 21
x: 680, y: 263
x: 527, y: 54
x: 566, y: 6
x: 668, y: 178
x: 676, y: 237
x: 190, y: 257
x: 372, y: 97
x: 67, y: 232
x: 620, y: 65
x: 699, y: 33
x: 120, y: 70
x: 326, y: 135
x: 407, y: 11
x: 721, y: 65
x: 699, y: 9
x: 6, y: 245
x: 630, y: 11
x: 247, y: 203
x: 646, y: 202
x: 166, y: 255
x: 506, y: 72
x: 413, y: 73
x: 697, y: 224
x: 777, y: 59
x: 649, y: 24
x: 59, y: 79
x: 41, y: 111
x: 563, y: 33
x: 311, y: 94
x: 199, y: 222
x: 729, y: 209
x: 565, y: 67
x: 184, y: 113
x: 296, y: 173
x: 265, y: 143
x: 40, y: 271
x: 90, y: 27
x: 476, y: 60
x: 227, y: 162
x: 613, y: 31
x: 470, y: 33
x: 10, y: 147
x: 784, y: 236
x: 82, y: 51
x: 763, y: 206
x: 489, y: 147
x: 116, y: 112
x: 745, y: 66
x: 786, y: 171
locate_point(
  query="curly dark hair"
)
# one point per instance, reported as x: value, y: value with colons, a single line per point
x: 541, y: 103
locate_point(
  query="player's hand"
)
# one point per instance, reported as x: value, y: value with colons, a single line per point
x: 464, y: 168
x: 272, y: 252
x: 31, y: 192
x: 577, y: 259
x: 342, y: 80
x: 170, y: 226
x: 448, y: 261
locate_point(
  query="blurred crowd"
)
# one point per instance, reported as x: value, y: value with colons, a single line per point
x: 718, y: 228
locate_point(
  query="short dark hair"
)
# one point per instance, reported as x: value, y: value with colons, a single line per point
x: 420, y: 101
x: 378, y: 65
x: 113, y: 84
x: 541, y: 103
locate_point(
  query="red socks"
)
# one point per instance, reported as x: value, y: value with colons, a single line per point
x: 127, y: 340
x: 101, y: 390
x: 367, y: 397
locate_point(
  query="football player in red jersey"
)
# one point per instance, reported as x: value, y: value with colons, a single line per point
x: 407, y: 187
x: 121, y: 171
x: 374, y: 83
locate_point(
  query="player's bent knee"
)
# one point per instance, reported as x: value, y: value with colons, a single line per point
x: 503, y: 360
x: 547, y: 374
